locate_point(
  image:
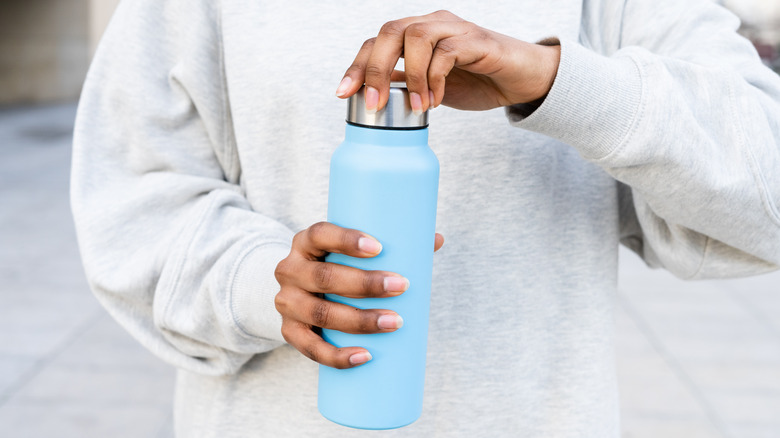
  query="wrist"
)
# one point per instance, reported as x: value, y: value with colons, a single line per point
x: 549, y: 60
x: 535, y: 72
x: 589, y: 88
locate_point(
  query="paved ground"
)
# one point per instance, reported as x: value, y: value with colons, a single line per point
x: 694, y: 359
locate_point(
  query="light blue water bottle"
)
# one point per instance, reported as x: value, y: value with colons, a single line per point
x: 384, y: 181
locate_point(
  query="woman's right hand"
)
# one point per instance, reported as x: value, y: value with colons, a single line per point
x: 304, y: 276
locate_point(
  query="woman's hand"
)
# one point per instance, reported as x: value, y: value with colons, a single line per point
x: 304, y: 276
x: 451, y: 61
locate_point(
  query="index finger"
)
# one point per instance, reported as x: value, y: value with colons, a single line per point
x: 385, y: 52
x: 377, y: 77
x: 324, y: 237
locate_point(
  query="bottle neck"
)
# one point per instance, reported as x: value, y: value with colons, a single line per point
x: 386, y: 137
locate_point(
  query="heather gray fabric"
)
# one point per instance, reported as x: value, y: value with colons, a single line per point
x: 202, y: 145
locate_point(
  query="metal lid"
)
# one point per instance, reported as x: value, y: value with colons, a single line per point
x: 397, y: 114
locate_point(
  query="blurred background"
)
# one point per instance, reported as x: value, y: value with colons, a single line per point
x: 695, y: 359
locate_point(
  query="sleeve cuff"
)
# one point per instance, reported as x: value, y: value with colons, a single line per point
x: 253, y: 290
x: 592, y: 105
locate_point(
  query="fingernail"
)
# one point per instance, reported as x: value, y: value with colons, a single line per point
x: 369, y: 245
x: 430, y: 97
x: 359, y: 358
x: 389, y: 322
x: 416, y: 101
x: 343, y: 86
x: 372, y: 99
x: 396, y: 284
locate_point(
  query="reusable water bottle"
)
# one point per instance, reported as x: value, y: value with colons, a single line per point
x: 384, y: 181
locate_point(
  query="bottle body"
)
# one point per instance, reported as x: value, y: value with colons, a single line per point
x: 384, y: 182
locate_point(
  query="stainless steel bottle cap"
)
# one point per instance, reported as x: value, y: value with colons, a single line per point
x: 397, y: 114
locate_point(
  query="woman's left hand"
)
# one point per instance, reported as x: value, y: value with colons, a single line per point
x: 453, y: 62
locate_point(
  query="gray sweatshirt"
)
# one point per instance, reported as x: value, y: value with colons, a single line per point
x: 202, y: 145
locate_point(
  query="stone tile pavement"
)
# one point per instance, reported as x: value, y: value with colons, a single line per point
x: 66, y: 368
x: 695, y: 359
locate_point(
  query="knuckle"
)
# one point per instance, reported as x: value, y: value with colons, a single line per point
x: 317, y: 232
x: 446, y: 47
x: 320, y: 315
x: 436, y: 81
x: 349, y: 239
x: 368, y: 44
x: 281, y: 302
x: 282, y: 271
x: 373, y: 283
x: 366, y: 322
x: 418, y: 31
x: 391, y: 29
x: 298, y: 238
x: 323, y: 276
x: 340, y: 364
x: 375, y: 71
x: 287, y: 333
x: 356, y: 66
x: 415, y: 78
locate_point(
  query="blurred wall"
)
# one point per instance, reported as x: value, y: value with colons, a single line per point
x: 760, y: 19
x: 46, y: 46
x: 100, y: 12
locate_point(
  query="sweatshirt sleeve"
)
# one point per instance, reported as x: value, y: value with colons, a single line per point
x: 170, y: 245
x: 676, y: 106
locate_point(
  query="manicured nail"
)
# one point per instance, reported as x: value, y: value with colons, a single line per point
x: 396, y: 284
x: 369, y: 245
x: 416, y: 101
x: 430, y: 97
x: 386, y: 322
x: 372, y: 99
x: 359, y: 358
x: 343, y: 86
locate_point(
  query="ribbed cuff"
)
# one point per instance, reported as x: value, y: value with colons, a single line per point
x: 592, y: 105
x: 252, y: 292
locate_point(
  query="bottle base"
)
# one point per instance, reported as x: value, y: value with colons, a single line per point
x: 357, y: 425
